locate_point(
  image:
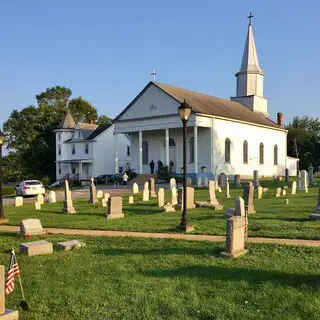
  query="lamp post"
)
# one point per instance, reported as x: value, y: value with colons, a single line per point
x: 1, y: 202
x: 184, y: 113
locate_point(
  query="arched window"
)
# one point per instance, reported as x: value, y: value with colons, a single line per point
x: 172, y: 143
x: 261, y: 153
x: 275, y: 155
x: 245, y: 151
x: 191, y: 150
x: 227, y: 147
x: 145, y: 152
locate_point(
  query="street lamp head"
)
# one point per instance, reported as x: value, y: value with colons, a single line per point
x: 2, y: 138
x: 184, y: 111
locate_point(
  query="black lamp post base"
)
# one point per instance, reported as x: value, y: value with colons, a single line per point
x: 186, y: 228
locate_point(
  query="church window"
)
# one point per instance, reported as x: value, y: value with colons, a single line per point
x: 79, y: 134
x: 86, y: 148
x: 59, y: 149
x: 245, y: 152
x: 59, y: 136
x: 59, y: 170
x: 73, y: 149
x: 275, y: 155
x: 145, y: 152
x: 172, y: 143
x: 191, y: 150
x: 261, y: 153
x: 128, y: 151
x: 227, y: 151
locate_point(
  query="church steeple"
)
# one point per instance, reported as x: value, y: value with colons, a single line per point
x: 250, y: 76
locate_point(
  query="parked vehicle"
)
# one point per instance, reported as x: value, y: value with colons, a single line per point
x: 102, y: 178
x: 30, y: 188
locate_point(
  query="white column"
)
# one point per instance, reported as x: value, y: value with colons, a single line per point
x: 212, y: 147
x: 116, y: 167
x: 167, y: 148
x: 80, y: 170
x: 195, y: 141
x: 140, y: 152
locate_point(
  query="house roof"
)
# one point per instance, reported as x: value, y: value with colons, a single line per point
x: 67, y: 122
x: 87, y: 126
x: 101, y: 128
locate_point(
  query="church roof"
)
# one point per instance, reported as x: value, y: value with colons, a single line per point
x: 101, y: 128
x: 67, y: 122
x: 210, y: 105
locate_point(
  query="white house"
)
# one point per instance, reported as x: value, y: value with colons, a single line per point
x: 235, y: 136
x: 84, y: 150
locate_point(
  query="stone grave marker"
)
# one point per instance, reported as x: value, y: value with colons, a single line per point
x: 18, y: 201
x: 316, y: 215
x: 69, y: 245
x: 260, y: 191
x: 93, y: 192
x: 36, y: 248
x: 199, y: 182
x: 104, y: 203
x: 145, y: 195
x: 31, y: 227
x: 229, y: 213
x: 222, y: 179
x: 152, y: 188
x: 284, y: 192
x: 99, y: 194
x: 174, y: 197
x: 172, y: 183
x: 239, y: 207
x: 160, y: 197
x: 37, y: 205
x: 212, y: 196
x: 216, y: 181
x: 310, y: 173
x: 278, y: 192
x: 205, y: 183
x: 303, y: 187
x: 67, y: 202
x: 227, y: 189
x: 256, y: 178
x: 146, y: 185
x: 189, y: 182
x: 169, y: 207
x: 265, y: 190
x: 294, y: 187
x: 237, y: 181
x: 40, y: 198
x: 235, y: 238
x: 135, y: 188
x: 219, y: 189
x: 190, y: 198
x: 286, y: 201
x: 131, y: 200
x: 115, y: 208
x: 52, y: 197
x: 286, y: 175
x: 248, y: 193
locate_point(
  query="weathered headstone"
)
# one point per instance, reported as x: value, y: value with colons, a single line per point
x: 310, y: 173
x: 235, y: 238
x: 52, y: 197
x: 93, y: 192
x: 146, y: 185
x: 222, y: 179
x: 256, y: 178
x: 219, y: 189
x: 190, y: 198
x: 135, y: 188
x: 248, y: 193
x: 152, y: 188
x: 205, y: 183
x: 5, y: 314
x: 99, y: 194
x: 239, y: 207
x: 316, y: 215
x: 278, y: 192
x: 169, y: 207
x: 160, y: 197
x: 67, y: 202
x: 260, y: 191
x: 286, y: 201
x: 284, y: 192
x: 145, y: 195
x: 294, y: 187
x: 18, y: 201
x: 199, y: 182
x: 229, y: 213
x: 286, y: 175
x: 237, y: 181
x: 265, y: 190
x: 130, y: 200
x: 227, y: 189
x: 212, y: 196
x: 36, y: 248
x: 172, y: 183
x: 174, y: 197
x: 104, y: 202
x: 40, y: 198
x: 106, y: 196
x: 189, y: 182
x: 71, y: 244
x: 31, y: 227
x: 216, y: 181
x: 37, y: 205
x: 115, y: 208
x: 303, y: 182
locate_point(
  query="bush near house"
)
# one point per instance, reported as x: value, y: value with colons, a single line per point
x: 7, y: 190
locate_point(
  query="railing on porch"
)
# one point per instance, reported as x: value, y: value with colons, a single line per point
x: 66, y: 177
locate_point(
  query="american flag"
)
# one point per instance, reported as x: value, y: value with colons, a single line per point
x: 13, y: 271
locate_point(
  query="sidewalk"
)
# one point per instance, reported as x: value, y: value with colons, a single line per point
x: 193, y: 237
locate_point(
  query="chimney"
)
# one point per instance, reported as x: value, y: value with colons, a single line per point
x: 91, y: 122
x: 280, y: 119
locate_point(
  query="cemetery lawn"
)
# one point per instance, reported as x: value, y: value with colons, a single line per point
x: 273, y: 218
x: 130, y: 278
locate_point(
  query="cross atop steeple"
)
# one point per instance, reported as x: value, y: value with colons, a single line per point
x: 250, y: 16
x: 153, y: 74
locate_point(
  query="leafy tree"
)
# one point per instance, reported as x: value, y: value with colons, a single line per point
x: 82, y: 110
x: 57, y: 97
x: 103, y: 119
x: 304, y: 138
x: 13, y: 170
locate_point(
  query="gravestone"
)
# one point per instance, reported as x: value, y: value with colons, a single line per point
x: 199, y: 182
x: 260, y: 191
x: 316, y: 215
x: 227, y: 189
x: 174, y: 197
x: 104, y: 203
x: 146, y: 185
x: 5, y: 314
x: 286, y: 201
x: 216, y: 181
x: 229, y: 213
x: 99, y: 194
x: 115, y: 208
x: 135, y: 188
x: 31, y: 227
x: 278, y: 192
x: 52, y: 197
x: 131, y: 200
x: 190, y: 198
x: 40, y: 198
x: 172, y: 183
x: 205, y: 183
x: 265, y: 190
x: 284, y: 192
x: 106, y: 196
x: 37, y: 205
x: 248, y: 193
x: 160, y: 197
x: 303, y: 187
x: 219, y: 189
x: 145, y: 195
x: 152, y: 189
x: 67, y: 202
x: 237, y: 181
x: 286, y: 175
x: 256, y: 178
x: 222, y: 179
x: 36, y: 248
x: 310, y: 173
x: 235, y: 238
x: 294, y: 187
x: 189, y: 182
x: 239, y: 207
x: 18, y: 201
x: 93, y: 192
x: 70, y: 245
x: 169, y: 207
x: 212, y: 196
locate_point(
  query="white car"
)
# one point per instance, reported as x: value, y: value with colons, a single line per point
x: 30, y: 188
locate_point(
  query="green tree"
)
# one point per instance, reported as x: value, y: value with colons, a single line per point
x: 82, y: 110
x: 103, y: 119
x: 13, y: 169
x: 304, y: 139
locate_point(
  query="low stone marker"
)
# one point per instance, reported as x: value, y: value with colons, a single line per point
x: 52, y: 197
x: 5, y: 314
x: 260, y: 191
x: 278, y: 192
x: 37, y: 205
x: 286, y: 201
x: 115, y: 208
x: 199, y: 182
x: 135, y: 188
x: 145, y: 195
x: 256, y: 178
x: 160, y: 197
x: 237, y: 181
x: 36, y: 248
x: 303, y: 187
x: 31, y: 227
x: 205, y: 183
x: 316, y: 215
x: 40, y: 198
x: 219, y: 189
x: 284, y: 192
x: 222, y: 179
x: 239, y: 207
x: 130, y: 200
x: 189, y: 182
x: 18, y: 201
x: 235, y: 238
x: 294, y: 187
x: 69, y: 245
x: 190, y: 198
x: 172, y: 183
x: 174, y: 197
x: 104, y: 203
x: 227, y: 189
x: 248, y: 193
x: 152, y: 188
x: 265, y: 190
x: 93, y: 192
x: 212, y: 196
x: 286, y: 175
x: 169, y: 207
x: 99, y: 194
x: 106, y: 196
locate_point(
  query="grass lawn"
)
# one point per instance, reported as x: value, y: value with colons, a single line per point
x: 273, y: 219
x: 129, y: 278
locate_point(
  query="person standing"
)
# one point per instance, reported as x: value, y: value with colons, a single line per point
x: 151, y: 164
x: 125, y: 180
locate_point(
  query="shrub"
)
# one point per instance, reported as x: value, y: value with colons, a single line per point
x: 164, y: 174
x: 7, y: 190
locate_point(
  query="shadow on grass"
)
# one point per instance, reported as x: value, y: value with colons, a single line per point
x: 293, y: 219
x: 227, y: 273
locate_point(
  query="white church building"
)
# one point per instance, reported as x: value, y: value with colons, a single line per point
x: 84, y: 150
x: 233, y: 136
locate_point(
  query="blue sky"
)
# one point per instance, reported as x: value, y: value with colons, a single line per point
x: 106, y: 50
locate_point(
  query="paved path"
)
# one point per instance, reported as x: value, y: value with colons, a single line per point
x: 194, y: 237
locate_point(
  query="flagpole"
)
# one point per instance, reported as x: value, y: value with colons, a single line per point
x: 22, y: 292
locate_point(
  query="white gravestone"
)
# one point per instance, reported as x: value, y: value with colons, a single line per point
x: 135, y: 188
x: 18, y: 201
x: 199, y: 182
x: 172, y: 183
x: 145, y: 195
x: 294, y: 187
x: 40, y: 198
x: 278, y: 192
x: 131, y: 200
x: 174, y: 196
x: 37, y: 205
x: 31, y: 227
x: 69, y: 245
x: 99, y: 194
x: 52, y: 197
x: 160, y: 197
x: 303, y: 184
x: 260, y: 192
